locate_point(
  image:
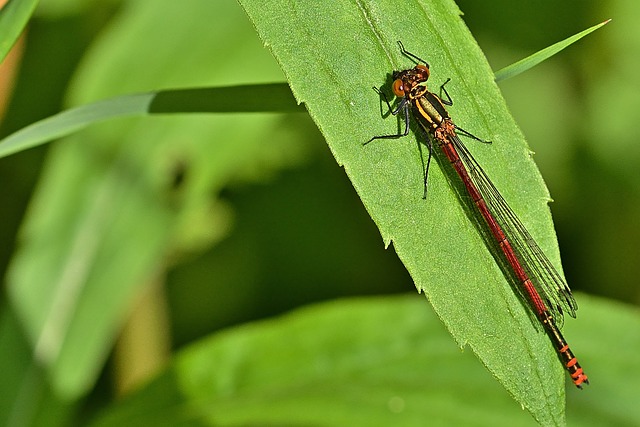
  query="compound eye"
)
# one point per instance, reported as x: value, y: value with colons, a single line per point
x: 398, y: 88
x: 424, y: 70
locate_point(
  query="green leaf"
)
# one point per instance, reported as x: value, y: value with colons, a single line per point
x: 533, y: 60
x: 274, y: 97
x: 332, y: 57
x: 358, y: 362
x: 14, y: 16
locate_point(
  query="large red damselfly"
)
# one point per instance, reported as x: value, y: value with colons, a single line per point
x: 544, y: 290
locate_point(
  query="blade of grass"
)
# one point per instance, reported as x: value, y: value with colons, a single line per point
x: 274, y: 97
x: 533, y: 60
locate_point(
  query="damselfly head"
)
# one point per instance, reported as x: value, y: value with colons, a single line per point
x: 405, y: 81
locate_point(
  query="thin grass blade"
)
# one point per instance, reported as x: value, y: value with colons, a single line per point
x: 533, y: 60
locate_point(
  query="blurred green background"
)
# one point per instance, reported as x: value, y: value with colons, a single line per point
x: 287, y: 228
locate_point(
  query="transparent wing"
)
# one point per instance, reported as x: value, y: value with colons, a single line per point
x: 544, y: 276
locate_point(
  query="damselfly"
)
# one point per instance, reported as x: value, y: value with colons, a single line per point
x: 542, y: 287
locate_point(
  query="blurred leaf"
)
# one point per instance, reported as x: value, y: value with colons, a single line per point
x: 248, y: 98
x: 14, y: 16
x: 332, y: 57
x: 608, y: 340
x: 533, y: 60
x: 110, y: 210
x: 370, y: 362
x: 374, y: 361
x: 25, y: 396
